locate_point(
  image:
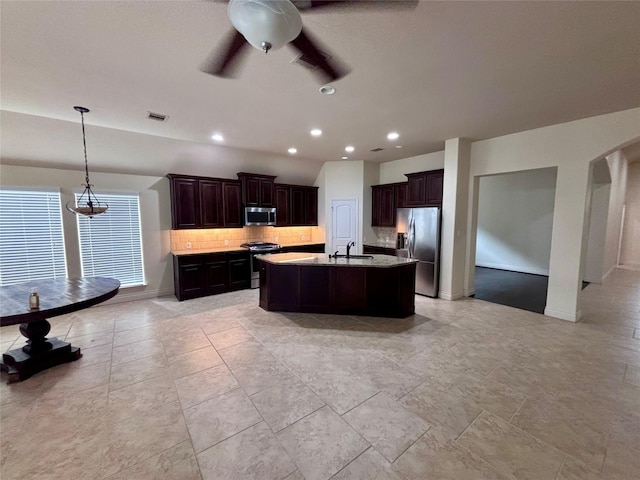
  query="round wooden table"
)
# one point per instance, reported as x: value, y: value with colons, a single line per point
x: 57, y: 297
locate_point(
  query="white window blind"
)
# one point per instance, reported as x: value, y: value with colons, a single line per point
x: 111, y: 243
x: 31, y: 240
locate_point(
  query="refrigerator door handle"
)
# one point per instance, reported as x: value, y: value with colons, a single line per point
x: 412, y: 236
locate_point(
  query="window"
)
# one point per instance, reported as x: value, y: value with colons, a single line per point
x: 111, y: 244
x: 31, y: 240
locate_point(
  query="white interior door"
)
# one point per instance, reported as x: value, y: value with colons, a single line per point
x: 344, y: 224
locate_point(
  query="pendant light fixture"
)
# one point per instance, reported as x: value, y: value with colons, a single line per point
x: 88, y: 204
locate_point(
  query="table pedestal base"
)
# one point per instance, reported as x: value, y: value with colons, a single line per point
x: 21, y: 365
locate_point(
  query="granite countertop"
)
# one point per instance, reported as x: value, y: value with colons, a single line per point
x: 323, y: 260
x: 391, y: 245
x: 194, y: 251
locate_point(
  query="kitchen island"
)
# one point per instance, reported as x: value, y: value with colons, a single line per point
x: 374, y: 285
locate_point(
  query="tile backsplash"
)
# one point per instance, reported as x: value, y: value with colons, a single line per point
x: 233, y: 237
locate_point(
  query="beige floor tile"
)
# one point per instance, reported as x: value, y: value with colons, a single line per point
x: 256, y: 377
x: 632, y: 375
x: 135, y: 351
x: 214, y: 325
x: 341, y: 390
x: 194, y: 361
x: 285, y: 403
x: 176, y: 463
x: 253, y: 454
x: 139, y: 438
x: 228, y: 338
x: 91, y: 340
x: 133, y: 335
x: 141, y: 398
x: 369, y: 465
x: 201, y: 386
x: 321, y: 444
x: 85, y: 327
x: 435, y: 455
x: 575, y: 470
x: 216, y: 419
x: 391, y: 378
x: 180, y: 344
x: 386, y: 425
x: 124, y: 374
x: 93, y: 355
x: 510, y: 450
x: 245, y: 353
x: 569, y: 430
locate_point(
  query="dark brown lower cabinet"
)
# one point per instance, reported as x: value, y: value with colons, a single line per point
x: 348, y: 290
x: 210, y: 273
x: 367, y: 249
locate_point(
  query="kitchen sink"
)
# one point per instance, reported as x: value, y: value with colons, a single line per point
x: 351, y: 256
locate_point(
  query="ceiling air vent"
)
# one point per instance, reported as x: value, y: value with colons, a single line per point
x: 307, y: 62
x: 376, y: 149
x: 158, y: 117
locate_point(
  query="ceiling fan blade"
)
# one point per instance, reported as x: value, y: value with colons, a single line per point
x: 224, y: 62
x: 329, y: 68
x: 329, y: 5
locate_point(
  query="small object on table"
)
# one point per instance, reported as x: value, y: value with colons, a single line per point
x: 34, y: 299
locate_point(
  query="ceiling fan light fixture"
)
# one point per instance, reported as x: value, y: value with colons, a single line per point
x: 265, y: 24
x: 327, y: 90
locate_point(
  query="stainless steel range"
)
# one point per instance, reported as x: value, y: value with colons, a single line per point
x: 258, y: 248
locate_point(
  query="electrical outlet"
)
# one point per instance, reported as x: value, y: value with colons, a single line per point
x: 188, y: 244
x: 226, y: 242
x: 303, y: 237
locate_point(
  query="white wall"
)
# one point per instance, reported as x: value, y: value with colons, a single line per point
x: 515, y: 218
x: 392, y: 172
x: 344, y: 179
x: 570, y: 147
x: 630, y: 248
x: 618, y: 171
x: 155, y: 215
x: 597, y: 233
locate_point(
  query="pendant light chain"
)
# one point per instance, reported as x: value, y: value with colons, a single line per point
x: 84, y: 142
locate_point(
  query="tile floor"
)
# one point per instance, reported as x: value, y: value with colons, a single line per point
x: 216, y: 388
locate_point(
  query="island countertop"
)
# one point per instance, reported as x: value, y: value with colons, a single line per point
x: 323, y: 260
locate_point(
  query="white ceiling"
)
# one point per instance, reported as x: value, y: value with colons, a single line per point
x: 443, y: 70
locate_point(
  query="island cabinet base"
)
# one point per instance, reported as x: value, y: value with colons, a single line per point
x: 349, y: 290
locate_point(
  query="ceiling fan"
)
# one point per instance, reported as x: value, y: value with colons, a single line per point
x: 271, y: 24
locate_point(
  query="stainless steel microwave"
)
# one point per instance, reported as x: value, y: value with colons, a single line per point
x: 259, y: 216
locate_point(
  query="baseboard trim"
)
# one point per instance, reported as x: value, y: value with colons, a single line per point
x: 450, y: 296
x: 568, y: 316
x: 608, y: 273
x: 514, y: 268
x: 124, y: 296
x: 470, y: 292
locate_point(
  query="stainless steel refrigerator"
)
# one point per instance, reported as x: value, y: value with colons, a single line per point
x: 418, y: 230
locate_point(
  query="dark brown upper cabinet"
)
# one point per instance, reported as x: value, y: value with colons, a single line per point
x: 282, y: 193
x: 424, y: 189
x: 257, y: 190
x: 385, y: 200
x: 296, y: 205
x: 200, y: 202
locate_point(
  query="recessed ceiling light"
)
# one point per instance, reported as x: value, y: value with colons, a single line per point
x: 345, y: 158
x: 293, y: 150
x: 316, y: 132
x: 327, y: 90
x: 217, y: 137
x: 398, y: 146
x: 349, y: 149
x: 393, y: 136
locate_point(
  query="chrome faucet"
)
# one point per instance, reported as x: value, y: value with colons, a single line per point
x: 349, y: 245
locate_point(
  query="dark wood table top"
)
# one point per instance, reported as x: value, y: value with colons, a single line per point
x: 57, y: 297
